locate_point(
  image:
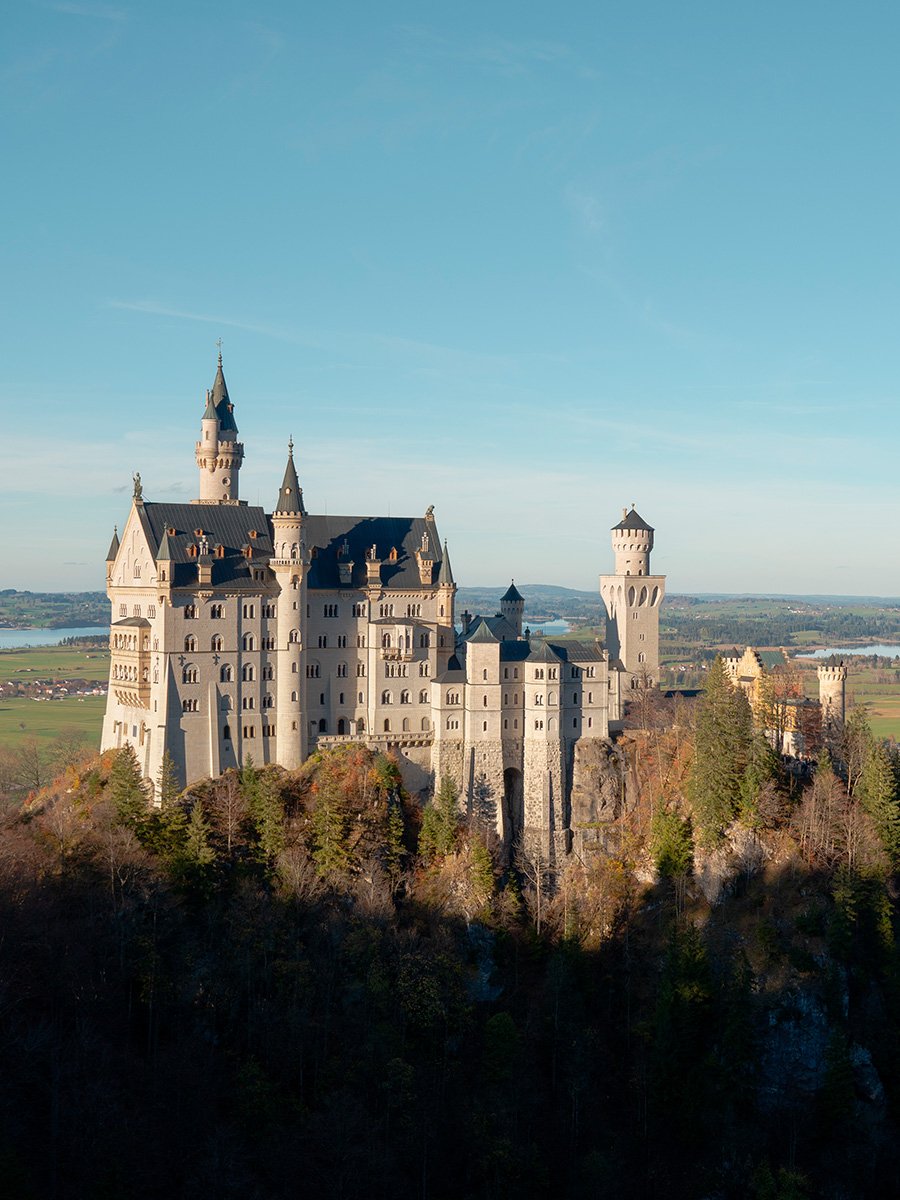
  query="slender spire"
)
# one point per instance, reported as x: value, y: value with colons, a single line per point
x: 290, y: 498
x: 113, y: 545
x: 210, y: 414
x: 445, y: 575
x: 222, y: 403
x: 164, y: 553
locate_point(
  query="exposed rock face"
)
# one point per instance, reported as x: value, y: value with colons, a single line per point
x: 598, y: 783
x: 742, y: 853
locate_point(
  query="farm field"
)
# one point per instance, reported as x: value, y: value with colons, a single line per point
x: 53, y: 662
x: 45, y: 720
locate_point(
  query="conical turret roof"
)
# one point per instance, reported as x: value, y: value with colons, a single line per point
x: 445, y: 575
x: 512, y: 595
x: 113, y: 546
x: 210, y: 413
x: 633, y: 520
x: 290, y: 498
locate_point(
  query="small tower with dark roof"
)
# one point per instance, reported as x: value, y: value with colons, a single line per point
x: 112, y: 553
x: 512, y: 607
x: 218, y: 452
x: 446, y: 590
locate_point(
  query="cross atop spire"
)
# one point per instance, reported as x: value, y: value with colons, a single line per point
x: 219, y: 345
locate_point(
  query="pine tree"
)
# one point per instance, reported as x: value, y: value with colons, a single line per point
x: 721, y: 753
x: 440, y: 822
x: 267, y: 815
x: 127, y: 789
x: 877, y: 793
x: 762, y: 769
x: 197, y: 851
x: 481, y: 869
x: 671, y: 844
x: 167, y: 790
x: 330, y: 835
x: 393, y: 852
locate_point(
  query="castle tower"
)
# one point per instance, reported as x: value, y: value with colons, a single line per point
x: 832, y: 693
x: 446, y: 594
x: 632, y: 597
x: 289, y: 570
x: 512, y: 606
x: 219, y: 454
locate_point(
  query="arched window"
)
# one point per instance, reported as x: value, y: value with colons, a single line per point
x: 342, y: 726
x: 189, y: 674
x: 386, y: 641
x: 323, y: 726
x: 248, y: 642
x: 190, y: 644
x: 361, y: 725
x: 386, y: 698
x: 226, y: 733
x: 216, y: 644
x: 248, y: 674
x: 387, y: 726
x: 342, y: 670
x: 551, y: 698
x: 484, y: 673
x: 404, y: 697
x: 226, y: 674
x: 426, y: 725
x: 424, y: 669
x: 294, y: 637
x: 406, y: 724
x: 423, y: 697
x: 485, y: 702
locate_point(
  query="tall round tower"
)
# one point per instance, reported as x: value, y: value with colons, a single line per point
x: 832, y: 692
x: 288, y: 567
x: 219, y: 454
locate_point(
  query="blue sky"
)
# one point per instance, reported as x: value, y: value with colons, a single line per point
x: 527, y: 263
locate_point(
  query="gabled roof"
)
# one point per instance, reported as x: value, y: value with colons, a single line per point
x: 445, y: 575
x: 225, y: 525
x: 578, y: 652
x: 544, y: 653
x: 290, y: 498
x: 512, y: 595
x: 481, y: 633
x: 454, y: 673
x: 113, y: 546
x: 633, y: 520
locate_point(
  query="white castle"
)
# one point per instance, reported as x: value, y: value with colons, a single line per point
x: 238, y: 633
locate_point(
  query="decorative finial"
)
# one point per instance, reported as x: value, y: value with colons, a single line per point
x: 219, y: 344
x: 138, y: 489
x: 291, y: 445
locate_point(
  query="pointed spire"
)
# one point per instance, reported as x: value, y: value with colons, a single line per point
x: 290, y: 498
x: 222, y: 402
x: 164, y: 553
x: 210, y: 414
x: 445, y: 575
x: 113, y: 545
x: 512, y: 594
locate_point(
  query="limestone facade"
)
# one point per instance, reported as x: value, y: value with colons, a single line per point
x: 239, y: 633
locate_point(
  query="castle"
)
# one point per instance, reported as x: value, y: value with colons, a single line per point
x: 239, y: 633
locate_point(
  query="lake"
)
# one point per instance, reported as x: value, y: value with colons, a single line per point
x: 878, y: 648
x: 12, y: 639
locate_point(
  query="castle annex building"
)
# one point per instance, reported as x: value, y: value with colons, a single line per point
x: 237, y: 632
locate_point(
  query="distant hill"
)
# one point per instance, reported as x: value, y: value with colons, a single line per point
x: 52, y: 610
x: 543, y: 602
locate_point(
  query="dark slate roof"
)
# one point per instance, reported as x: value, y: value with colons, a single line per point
x: 543, y: 653
x: 516, y: 651
x: 512, y: 594
x: 454, y: 673
x: 113, y: 546
x: 498, y: 625
x: 132, y: 623
x: 633, y: 520
x: 327, y: 535
x: 290, y: 498
x: 209, y: 413
x: 445, y: 574
x: 224, y: 408
x: 481, y: 633
x: 577, y: 652
x: 228, y: 525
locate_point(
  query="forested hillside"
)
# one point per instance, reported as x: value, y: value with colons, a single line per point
x: 287, y: 984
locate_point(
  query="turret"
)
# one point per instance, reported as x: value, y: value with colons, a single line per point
x: 832, y: 692
x: 288, y: 568
x: 112, y: 553
x: 218, y: 452
x: 512, y: 606
x: 446, y: 589
x: 632, y: 541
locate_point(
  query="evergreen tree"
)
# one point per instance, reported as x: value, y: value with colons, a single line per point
x: 440, y: 822
x: 167, y: 790
x: 877, y: 793
x: 249, y: 783
x: 197, y: 851
x: 393, y: 851
x: 329, y: 823
x: 762, y: 769
x: 721, y: 753
x: 127, y: 789
x: 671, y: 844
x: 481, y: 868
x: 267, y: 815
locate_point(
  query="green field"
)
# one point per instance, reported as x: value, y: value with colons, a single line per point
x: 53, y: 662
x: 45, y: 720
